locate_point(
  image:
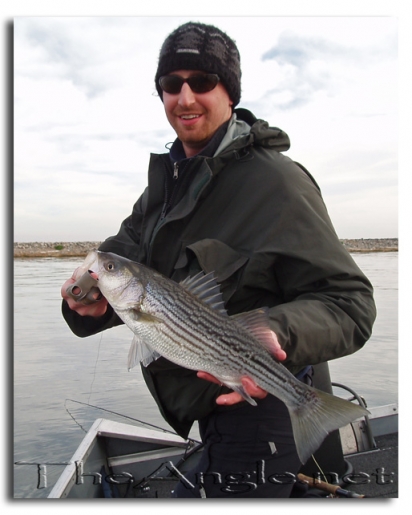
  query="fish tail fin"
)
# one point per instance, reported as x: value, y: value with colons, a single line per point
x: 313, y: 421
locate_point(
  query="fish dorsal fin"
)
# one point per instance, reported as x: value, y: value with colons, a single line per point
x: 205, y: 288
x: 256, y: 323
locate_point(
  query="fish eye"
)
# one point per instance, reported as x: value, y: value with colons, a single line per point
x: 109, y: 266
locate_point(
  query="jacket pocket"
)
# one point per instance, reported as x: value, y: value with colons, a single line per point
x: 211, y: 255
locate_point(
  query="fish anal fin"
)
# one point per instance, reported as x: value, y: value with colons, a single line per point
x: 256, y: 322
x: 244, y: 394
x: 237, y: 386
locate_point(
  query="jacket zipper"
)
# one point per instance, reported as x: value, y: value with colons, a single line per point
x: 169, y: 194
x: 167, y: 204
x: 176, y: 171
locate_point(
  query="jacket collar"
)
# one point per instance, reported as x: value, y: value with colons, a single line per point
x: 177, y: 152
x: 242, y: 129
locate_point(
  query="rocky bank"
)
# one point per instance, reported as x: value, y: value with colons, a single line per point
x: 81, y: 248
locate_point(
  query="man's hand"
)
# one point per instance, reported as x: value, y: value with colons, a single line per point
x: 248, y: 384
x: 233, y: 398
x: 96, y: 309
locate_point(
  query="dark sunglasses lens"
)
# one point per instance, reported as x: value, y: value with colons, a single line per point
x: 198, y: 83
x: 203, y: 83
x: 171, y: 84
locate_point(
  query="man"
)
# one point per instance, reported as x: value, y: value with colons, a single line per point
x: 226, y: 200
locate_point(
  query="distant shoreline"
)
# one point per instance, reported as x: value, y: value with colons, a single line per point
x: 81, y: 249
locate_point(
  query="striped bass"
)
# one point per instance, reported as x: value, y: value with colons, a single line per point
x: 187, y: 324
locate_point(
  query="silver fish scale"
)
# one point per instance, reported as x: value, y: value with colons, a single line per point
x: 197, y: 337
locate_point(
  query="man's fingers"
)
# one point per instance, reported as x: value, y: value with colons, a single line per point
x: 253, y: 389
x: 278, y: 352
x: 208, y: 377
x: 96, y: 309
x: 229, y: 399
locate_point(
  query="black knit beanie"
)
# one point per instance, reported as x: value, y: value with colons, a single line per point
x: 197, y: 46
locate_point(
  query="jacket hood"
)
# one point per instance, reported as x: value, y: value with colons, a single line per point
x: 245, y: 129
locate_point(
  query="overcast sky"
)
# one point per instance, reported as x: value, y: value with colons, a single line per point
x: 87, y: 115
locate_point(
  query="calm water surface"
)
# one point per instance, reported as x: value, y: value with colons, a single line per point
x: 55, y: 372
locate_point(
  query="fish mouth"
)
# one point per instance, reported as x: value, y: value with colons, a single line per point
x: 91, y: 263
x: 85, y: 289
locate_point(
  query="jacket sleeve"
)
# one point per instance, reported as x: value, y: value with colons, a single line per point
x: 328, y: 308
x: 83, y: 326
x: 125, y: 243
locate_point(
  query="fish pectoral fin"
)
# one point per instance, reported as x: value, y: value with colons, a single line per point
x: 145, y: 318
x: 140, y: 352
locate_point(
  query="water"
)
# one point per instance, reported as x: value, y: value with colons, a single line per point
x: 55, y: 371
x: 373, y: 371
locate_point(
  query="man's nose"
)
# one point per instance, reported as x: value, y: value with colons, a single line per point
x: 186, y: 95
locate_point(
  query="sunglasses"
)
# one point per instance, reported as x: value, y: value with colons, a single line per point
x: 202, y: 83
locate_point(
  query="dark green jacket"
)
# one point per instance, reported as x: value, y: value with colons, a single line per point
x: 256, y: 219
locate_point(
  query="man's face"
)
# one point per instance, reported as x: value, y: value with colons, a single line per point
x: 196, y: 116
